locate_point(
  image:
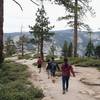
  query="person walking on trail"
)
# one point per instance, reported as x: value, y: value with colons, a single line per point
x: 66, y: 72
x: 39, y: 63
x: 48, y: 67
x: 53, y: 69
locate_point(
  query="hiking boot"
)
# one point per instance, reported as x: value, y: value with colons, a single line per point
x: 53, y: 81
x: 66, y: 89
x: 63, y: 92
x: 48, y: 77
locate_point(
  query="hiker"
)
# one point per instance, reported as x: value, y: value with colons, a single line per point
x: 66, y: 72
x: 53, y: 69
x: 39, y: 63
x: 48, y: 67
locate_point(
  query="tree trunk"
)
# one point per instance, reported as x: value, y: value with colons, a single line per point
x: 1, y: 31
x: 38, y: 44
x: 38, y: 49
x: 75, y: 29
x: 22, y: 49
x: 41, y: 49
x: 22, y: 42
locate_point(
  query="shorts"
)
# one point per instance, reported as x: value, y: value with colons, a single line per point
x: 39, y: 66
x: 53, y: 73
x: 48, y: 72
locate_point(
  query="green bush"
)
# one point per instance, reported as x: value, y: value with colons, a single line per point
x: 90, y: 63
x: 14, y: 84
x: 35, y: 64
x: 98, y: 68
x: 49, y: 57
x: 85, y: 62
x: 26, y: 56
x: 76, y: 60
x: 35, y: 55
x: 20, y: 91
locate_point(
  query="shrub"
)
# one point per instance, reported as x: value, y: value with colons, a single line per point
x: 26, y: 56
x: 89, y: 63
x: 49, y: 57
x: 35, y: 55
x: 85, y: 62
x: 14, y: 84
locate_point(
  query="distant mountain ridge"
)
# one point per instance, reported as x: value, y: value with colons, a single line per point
x: 62, y: 35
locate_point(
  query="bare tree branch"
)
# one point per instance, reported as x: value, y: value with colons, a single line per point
x: 18, y: 4
x: 34, y: 2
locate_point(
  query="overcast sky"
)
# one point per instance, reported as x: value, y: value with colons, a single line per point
x: 14, y: 17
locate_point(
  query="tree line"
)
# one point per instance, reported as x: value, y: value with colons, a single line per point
x: 75, y: 9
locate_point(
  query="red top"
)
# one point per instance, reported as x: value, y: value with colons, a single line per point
x: 67, y: 70
x: 39, y: 61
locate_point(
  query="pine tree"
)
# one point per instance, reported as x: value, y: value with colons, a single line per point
x: 9, y: 47
x: 65, y: 49
x: 41, y: 29
x: 70, y: 50
x: 97, y: 51
x: 21, y: 43
x: 52, y: 50
x: 90, y: 50
x: 77, y: 9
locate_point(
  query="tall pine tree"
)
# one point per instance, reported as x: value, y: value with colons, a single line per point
x: 41, y: 29
x: 97, y: 51
x: 65, y: 49
x: 77, y: 9
x: 70, y: 50
x: 90, y: 49
x: 21, y: 43
x: 9, y: 47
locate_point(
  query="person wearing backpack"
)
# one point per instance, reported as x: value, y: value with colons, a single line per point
x: 53, y: 69
x: 48, y: 68
x: 39, y: 63
x: 66, y: 72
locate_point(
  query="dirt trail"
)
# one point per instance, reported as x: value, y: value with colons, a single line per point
x: 53, y: 91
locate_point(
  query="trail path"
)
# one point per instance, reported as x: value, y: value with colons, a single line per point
x: 77, y: 89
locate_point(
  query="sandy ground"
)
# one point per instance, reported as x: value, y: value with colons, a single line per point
x: 85, y: 86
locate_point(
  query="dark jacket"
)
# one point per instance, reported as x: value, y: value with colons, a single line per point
x: 54, y: 66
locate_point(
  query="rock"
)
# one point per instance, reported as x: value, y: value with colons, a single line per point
x: 83, y: 92
x: 40, y: 80
x: 97, y: 97
x: 90, y: 92
x: 47, y: 98
x: 93, y: 82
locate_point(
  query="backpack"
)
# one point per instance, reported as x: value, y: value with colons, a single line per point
x: 39, y: 61
x: 48, y: 66
x: 53, y: 66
